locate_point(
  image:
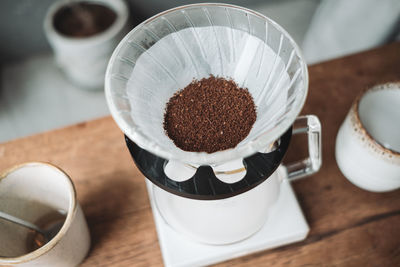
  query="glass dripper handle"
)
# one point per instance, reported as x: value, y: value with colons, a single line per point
x: 310, y: 125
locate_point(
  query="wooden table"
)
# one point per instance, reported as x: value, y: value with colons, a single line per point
x: 349, y: 226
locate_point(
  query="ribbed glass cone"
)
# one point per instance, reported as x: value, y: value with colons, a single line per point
x: 165, y: 53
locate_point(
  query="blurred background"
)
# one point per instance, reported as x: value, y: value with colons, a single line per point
x: 36, y: 96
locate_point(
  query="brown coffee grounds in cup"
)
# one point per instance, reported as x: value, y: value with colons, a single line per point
x: 209, y: 115
x: 83, y: 19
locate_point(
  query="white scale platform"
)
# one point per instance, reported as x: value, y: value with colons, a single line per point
x: 286, y: 224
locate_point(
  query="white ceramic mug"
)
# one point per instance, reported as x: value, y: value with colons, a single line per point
x: 31, y: 192
x: 368, y: 142
x: 84, y: 60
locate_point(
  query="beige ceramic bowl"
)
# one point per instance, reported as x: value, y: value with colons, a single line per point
x: 31, y: 191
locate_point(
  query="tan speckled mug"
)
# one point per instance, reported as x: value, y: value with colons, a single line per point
x: 368, y: 142
x: 32, y: 191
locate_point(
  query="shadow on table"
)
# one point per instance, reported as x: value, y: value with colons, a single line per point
x: 110, y: 205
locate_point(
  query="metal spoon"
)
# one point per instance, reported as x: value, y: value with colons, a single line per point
x: 46, y: 234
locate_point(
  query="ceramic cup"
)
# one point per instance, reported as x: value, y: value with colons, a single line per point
x: 368, y: 142
x: 35, y: 192
x: 84, y: 60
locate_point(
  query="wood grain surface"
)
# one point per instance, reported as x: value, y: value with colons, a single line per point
x: 349, y: 226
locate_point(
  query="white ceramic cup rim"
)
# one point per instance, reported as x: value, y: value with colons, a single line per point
x: 118, y: 6
x: 360, y: 125
x: 67, y: 223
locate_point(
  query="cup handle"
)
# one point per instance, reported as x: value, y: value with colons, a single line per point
x: 310, y: 125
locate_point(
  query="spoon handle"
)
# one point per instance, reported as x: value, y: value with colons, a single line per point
x: 19, y: 221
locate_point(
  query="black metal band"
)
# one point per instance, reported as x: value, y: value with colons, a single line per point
x: 204, y: 185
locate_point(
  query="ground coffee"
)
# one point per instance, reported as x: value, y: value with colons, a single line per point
x: 209, y: 115
x: 83, y: 19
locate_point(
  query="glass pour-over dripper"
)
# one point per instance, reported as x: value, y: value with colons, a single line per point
x: 166, y: 52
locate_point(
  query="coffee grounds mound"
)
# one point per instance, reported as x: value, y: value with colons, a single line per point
x: 209, y: 115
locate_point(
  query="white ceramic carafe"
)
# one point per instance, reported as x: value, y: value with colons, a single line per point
x: 229, y: 220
